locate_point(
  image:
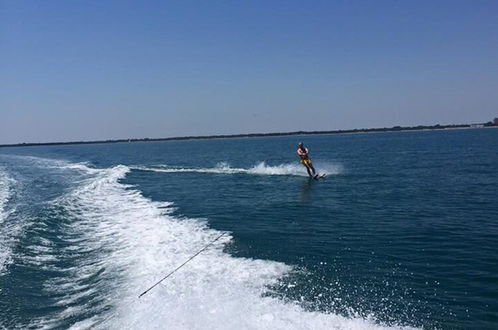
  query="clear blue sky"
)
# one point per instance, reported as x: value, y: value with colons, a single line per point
x: 85, y: 70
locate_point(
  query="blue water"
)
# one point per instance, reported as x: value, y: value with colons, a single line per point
x: 402, y: 233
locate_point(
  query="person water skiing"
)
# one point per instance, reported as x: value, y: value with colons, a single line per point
x: 302, y: 152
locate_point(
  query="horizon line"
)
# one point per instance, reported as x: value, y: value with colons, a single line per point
x: 252, y: 135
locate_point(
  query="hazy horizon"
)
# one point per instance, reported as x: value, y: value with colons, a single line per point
x: 91, y: 70
x: 388, y: 129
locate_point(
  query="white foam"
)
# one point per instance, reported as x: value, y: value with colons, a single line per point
x: 5, y: 183
x: 261, y: 168
x: 140, y: 242
x: 41, y: 253
x: 7, y: 230
x: 59, y: 164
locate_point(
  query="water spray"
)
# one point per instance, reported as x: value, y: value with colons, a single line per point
x: 188, y: 260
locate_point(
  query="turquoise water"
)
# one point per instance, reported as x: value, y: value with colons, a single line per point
x: 403, y: 232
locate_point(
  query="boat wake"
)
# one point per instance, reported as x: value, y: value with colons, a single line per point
x: 104, y: 243
x: 143, y: 241
x: 259, y: 169
x: 6, y: 183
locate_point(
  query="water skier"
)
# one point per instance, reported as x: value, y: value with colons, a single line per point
x: 302, y: 152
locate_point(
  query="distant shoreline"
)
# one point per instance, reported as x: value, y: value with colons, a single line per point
x: 252, y: 135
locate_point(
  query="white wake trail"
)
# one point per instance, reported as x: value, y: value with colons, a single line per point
x: 140, y: 241
x: 5, y: 184
x: 7, y: 230
x: 261, y: 168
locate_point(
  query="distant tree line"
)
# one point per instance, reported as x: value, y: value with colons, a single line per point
x: 348, y: 131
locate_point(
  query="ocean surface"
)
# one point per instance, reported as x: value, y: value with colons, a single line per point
x: 402, y: 233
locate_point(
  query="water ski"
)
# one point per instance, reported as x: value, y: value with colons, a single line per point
x: 319, y: 176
